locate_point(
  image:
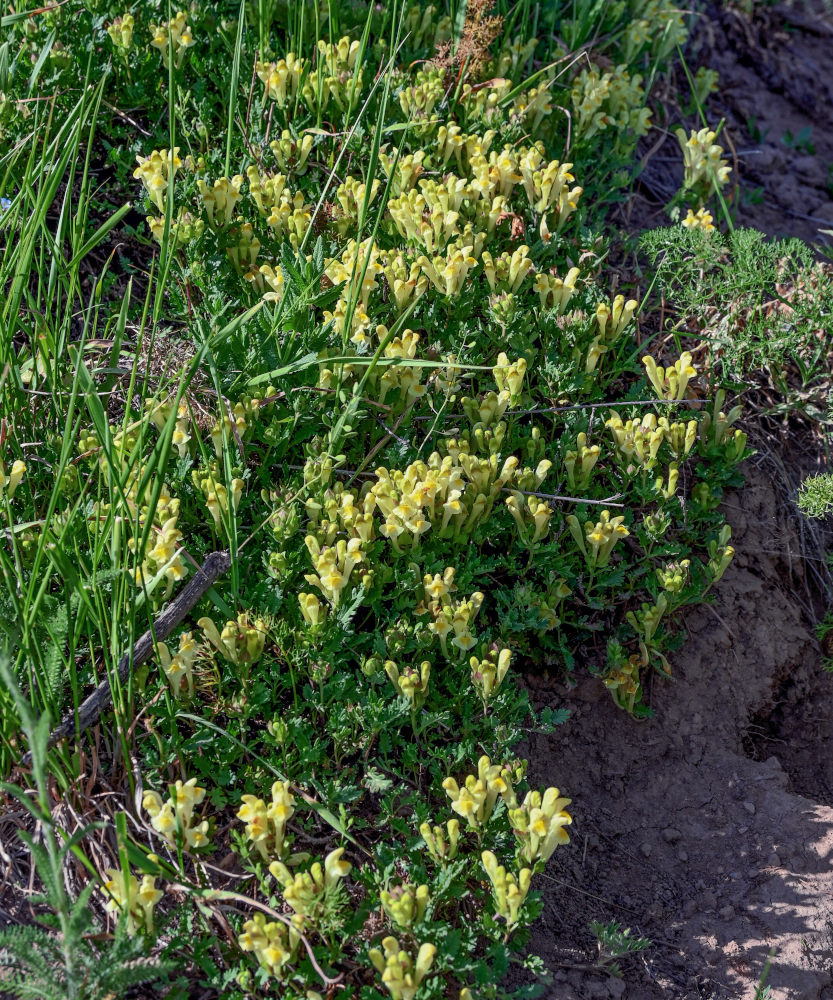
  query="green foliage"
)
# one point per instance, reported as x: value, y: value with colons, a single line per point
x: 616, y: 942
x: 759, y: 303
x: 815, y: 496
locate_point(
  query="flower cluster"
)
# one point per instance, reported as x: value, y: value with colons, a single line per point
x: 488, y: 672
x: 705, y: 169
x: 476, y: 799
x: 281, y: 79
x: 241, y: 641
x: 155, y: 171
x: 273, y: 943
x: 597, y: 541
x: 509, y: 890
x: 405, y: 904
x: 173, y: 37
x: 306, y: 892
x: 539, y: 823
x: 175, y: 820
x: 266, y: 824
x: 180, y: 666
x: 121, y: 33
x: 125, y: 894
x: 671, y: 382
x: 400, y: 973
x: 442, y: 844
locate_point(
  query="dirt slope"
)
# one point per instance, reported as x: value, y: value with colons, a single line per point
x: 691, y: 828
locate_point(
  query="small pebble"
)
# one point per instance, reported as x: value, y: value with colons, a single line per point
x: 682, y: 855
x: 645, y: 849
x: 773, y: 860
x: 727, y: 912
x: 749, y: 807
x: 670, y: 835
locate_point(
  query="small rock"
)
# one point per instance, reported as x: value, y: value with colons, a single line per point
x: 682, y: 855
x: 773, y: 860
x: 749, y: 807
x: 671, y: 835
x: 708, y: 901
x: 727, y: 912
x: 690, y: 908
x: 645, y: 849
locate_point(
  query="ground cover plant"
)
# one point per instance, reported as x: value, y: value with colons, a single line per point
x: 350, y: 425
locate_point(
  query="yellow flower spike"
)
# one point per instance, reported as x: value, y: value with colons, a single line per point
x: 478, y: 795
x: 411, y: 684
x: 405, y: 904
x: 8, y: 486
x: 253, y: 813
x: 181, y: 665
x: 509, y: 891
x: 269, y: 942
x: 509, y: 376
x: 440, y: 848
x: 173, y: 35
x: 673, y: 576
x: 400, y: 974
x: 705, y: 168
x: 174, y: 818
x: 539, y: 823
x: 281, y: 79
x: 701, y: 219
x: 487, y: 674
x: 129, y: 896
x: 670, y: 383
x: 154, y: 172
x: 121, y: 33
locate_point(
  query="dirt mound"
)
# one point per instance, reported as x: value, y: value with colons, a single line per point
x: 692, y: 828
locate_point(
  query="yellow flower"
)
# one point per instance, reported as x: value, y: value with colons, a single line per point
x: 670, y: 383
x: 539, y: 824
x: 405, y: 904
x: 173, y: 35
x: 10, y: 483
x: 400, y: 973
x: 701, y: 219
x: 478, y: 795
x: 509, y: 891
